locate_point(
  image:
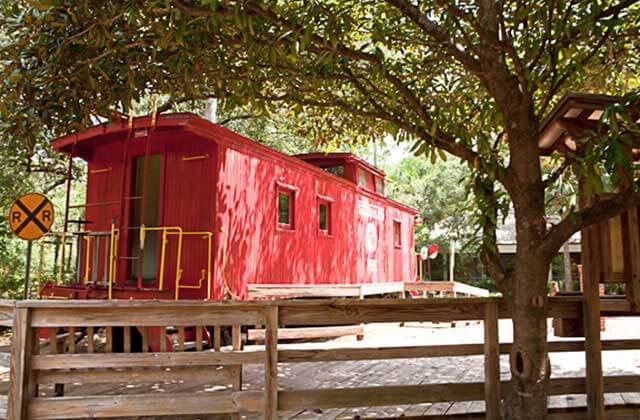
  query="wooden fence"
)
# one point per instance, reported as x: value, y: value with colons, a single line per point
x: 34, y: 364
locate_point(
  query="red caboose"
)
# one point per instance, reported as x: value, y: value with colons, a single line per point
x: 181, y: 208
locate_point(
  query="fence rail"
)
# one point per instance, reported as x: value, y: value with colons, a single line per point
x: 126, y: 342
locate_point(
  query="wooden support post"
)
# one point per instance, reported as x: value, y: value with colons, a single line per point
x: 163, y: 339
x: 72, y: 340
x: 491, y: 361
x: 217, y: 337
x: 181, y: 338
x: 22, y: 385
x: 632, y: 263
x: 56, y: 347
x: 90, y: 347
x: 236, y: 384
x: 236, y: 337
x: 591, y: 318
x: 145, y: 340
x: 198, y: 337
x: 109, y: 336
x: 53, y: 340
x: 271, y: 363
x: 127, y: 339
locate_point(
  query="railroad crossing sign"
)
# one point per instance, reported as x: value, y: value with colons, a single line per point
x: 31, y: 216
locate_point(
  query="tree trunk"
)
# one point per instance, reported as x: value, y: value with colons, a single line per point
x: 527, y: 396
x: 529, y: 361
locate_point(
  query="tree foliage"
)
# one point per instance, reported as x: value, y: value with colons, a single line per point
x: 435, y: 73
x: 472, y: 78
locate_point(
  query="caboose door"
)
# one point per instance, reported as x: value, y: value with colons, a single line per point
x: 144, y: 210
x: 189, y: 203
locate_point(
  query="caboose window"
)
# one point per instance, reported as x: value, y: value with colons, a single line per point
x: 148, y: 260
x: 397, y: 233
x: 324, y: 217
x: 379, y: 186
x: 362, y: 178
x: 337, y: 170
x: 285, y: 208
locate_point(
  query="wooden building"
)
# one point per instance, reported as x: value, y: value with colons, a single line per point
x: 610, y: 249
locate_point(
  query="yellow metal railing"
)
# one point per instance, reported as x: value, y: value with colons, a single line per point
x: 175, y: 230
x: 204, y: 273
x: 93, y: 242
x: 166, y: 230
x: 113, y: 257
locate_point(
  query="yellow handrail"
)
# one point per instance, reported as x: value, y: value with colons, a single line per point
x: 209, y: 237
x: 166, y: 230
x: 87, y: 253
x: 112, y: 245
x: 203, y: 274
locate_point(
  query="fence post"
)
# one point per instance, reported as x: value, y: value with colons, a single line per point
x: 22, y: 385
x: 271, y: 363
x: 591, y: 319
x: 492, y: 394
x: 236, y: 342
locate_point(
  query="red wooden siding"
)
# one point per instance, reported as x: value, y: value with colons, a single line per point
x: 214, y: 180
x: 260, y: 252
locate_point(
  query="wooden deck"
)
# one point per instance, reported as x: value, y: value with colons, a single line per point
x: 446, y: 288
x: 348, y: 374
x: 361, y: 290
x: 363, y: 373
x: 258, y: 291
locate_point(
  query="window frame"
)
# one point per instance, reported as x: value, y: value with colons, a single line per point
x: 378, y: 185
x: 327, y: 201
x: 292, y: 192
x: 336, y: 170
x: 397, y: 241
x: 362, y: 175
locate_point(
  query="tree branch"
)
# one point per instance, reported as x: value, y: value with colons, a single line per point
x: 553, y: 89
x: 237, y: 118
x: 171, y: 102
x: 436, y: 32
x: 553, y: 177
x: 319, y: 44
x: 614, y: 10
x: 598, y: 211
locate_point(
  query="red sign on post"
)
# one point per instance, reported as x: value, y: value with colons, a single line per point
x: 433, y: 251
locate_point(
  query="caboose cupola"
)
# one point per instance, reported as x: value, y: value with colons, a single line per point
x: 348, y: 166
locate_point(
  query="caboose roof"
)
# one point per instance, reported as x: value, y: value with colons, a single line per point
x: 207, y: 130
x: 114, y: 128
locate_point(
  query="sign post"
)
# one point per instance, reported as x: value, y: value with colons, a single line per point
x: 427, y: 254
x: 27, y: 270
x: 30, y: 218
